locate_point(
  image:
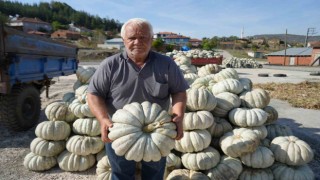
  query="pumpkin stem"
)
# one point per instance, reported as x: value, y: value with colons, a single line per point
x: 150, y: 127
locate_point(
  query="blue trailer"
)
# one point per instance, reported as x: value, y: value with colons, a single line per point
x: 27, y: 65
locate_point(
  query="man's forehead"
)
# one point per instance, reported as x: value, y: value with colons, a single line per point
x: 132, y: 28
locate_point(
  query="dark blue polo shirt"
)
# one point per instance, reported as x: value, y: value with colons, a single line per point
x: 119, y: 81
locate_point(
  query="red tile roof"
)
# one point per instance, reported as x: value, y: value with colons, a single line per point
x: 33, y: 20
x: 176, y: 37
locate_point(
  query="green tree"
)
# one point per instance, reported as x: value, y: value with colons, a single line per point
x: 157, y: 44
x: 169, y: 47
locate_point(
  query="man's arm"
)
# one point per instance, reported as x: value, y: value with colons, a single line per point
x: 98, y: 108
x: 179, y: 101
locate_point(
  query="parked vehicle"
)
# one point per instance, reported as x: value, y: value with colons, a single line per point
x: 204, y: 61
x: 27, y: 65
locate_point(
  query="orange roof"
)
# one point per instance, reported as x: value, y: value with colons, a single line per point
x: 195, y: 40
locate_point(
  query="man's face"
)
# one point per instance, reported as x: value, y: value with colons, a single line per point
x: 137, y: 41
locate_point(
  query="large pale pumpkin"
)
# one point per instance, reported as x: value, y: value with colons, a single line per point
x: 256, y: 174
x: 291, y: 150
x: 200, y: 99
x: 142, y: 132
x: 225, y: 102
x: 228, y: 85
x: 262, y: 157
x: 36, y: 162
x: 43, y: 147
x: 86, y: 126
x: 53, y: 130
x: 227, y: 73
x: 69, y: 161
x: 239, y: 142
x: 81, y: 93
x: 80, y: 110
x: 197, y: 120
x: 59, y: 111
x: 203, y: 160
x: 247, y: 117
x: 173, y: 161
x: 84, y: 145
x: 186, y: 174
x: 193, y: 141
x: 219, y: 127
x: 186, y: 69
x: 283, y: 171
x: 256, y: 98
x: 183, y: 59
x: 104, y: 169
x: 228, y: 168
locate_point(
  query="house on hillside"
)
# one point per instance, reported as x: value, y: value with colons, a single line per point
x: 116, y: 43
x: 65, y: 34
x: 258, y: 42
x: 79, y: 29
x: 163, y: 34
x: 29, y: 24
x: 307, y: 56
x: 179, y: 40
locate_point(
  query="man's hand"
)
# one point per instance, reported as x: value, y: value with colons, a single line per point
x: 105, y: 125
x: 178, y: 121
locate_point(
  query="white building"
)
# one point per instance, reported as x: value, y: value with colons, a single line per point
x: 116, y: 43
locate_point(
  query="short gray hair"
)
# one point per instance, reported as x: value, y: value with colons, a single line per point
x: 136, y: 21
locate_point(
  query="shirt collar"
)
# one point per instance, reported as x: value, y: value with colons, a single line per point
x: 149, y: 57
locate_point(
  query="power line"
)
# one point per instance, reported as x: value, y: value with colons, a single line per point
x: 311, y: 31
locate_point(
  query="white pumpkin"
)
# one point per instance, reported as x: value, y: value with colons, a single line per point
x: 203, y: 83
x: 261, y: 131
x: 84, y: 145
x: 86, y: 126
x: 81, y: 93
x: 227, y: 73
x: 193, y: 141
x: 291, y: 150
x: 197, y: 120
x: 246, y: 83
x: 71, y: 162
x: 262, y: 157
x: 53, y: 130
x: 190, y: 77
x: 103, y: 170
x: 80, y: 110
x: 203, y: 160
x: 200, y: 99
x: 59, y: 111
x: 36, y: 162
x: 239, y: 142
x: 228, y: 168
x: 247, y: 117
x: 208, y: 69
x: 225, y: 102
x: 256, y: 98
x: 43, y: 147
x: 228, y: 85
x: 142, y: 132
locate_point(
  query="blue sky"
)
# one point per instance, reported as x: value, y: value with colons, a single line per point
x: 208, y: 18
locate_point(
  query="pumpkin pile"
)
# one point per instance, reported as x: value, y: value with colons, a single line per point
x: 230, y: 132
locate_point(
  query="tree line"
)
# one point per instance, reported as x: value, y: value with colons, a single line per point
x: 60, y: 14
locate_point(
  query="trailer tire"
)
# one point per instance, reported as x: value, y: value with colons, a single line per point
x: 20, y: 110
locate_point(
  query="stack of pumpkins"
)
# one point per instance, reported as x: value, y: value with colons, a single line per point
x: 229, y: 132
x: 71, y: 136
x: 246, y: 141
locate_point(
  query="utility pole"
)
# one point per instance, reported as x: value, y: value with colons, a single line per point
x: 285, y: 48
x: 311, y: 31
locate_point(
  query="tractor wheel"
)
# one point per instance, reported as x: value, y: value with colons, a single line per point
x: 20, y: 110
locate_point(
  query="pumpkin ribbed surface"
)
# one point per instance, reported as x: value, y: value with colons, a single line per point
x: 197, y: 120
x: 104, y: 169
x: 142, y: 132
x: 43, y: 147
x: 283, y: 171
x: 36, y: 162
x: 200, y: 99
x: 247, y: 117
x: 257, y: 98
x: 256, y: 174
x: 193, y: 141
x: 86, y: 126
x: 59, y: 111
x: 228, y: 168
x: 225, y: 102
x: 71, y: 162
x: 186, y: 174
x: 84, y: 145
x: 53, y: 130
x: 262, y: 157
x: 229, y: 85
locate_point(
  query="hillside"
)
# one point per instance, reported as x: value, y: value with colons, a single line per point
x: 291, y: 38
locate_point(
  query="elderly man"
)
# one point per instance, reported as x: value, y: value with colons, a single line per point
x: 136, y: 75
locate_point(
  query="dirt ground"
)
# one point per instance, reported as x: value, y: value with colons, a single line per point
x: 14, y: 146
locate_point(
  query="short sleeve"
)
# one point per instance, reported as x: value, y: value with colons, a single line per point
x: 176, y: 81
x: 100, y: 82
